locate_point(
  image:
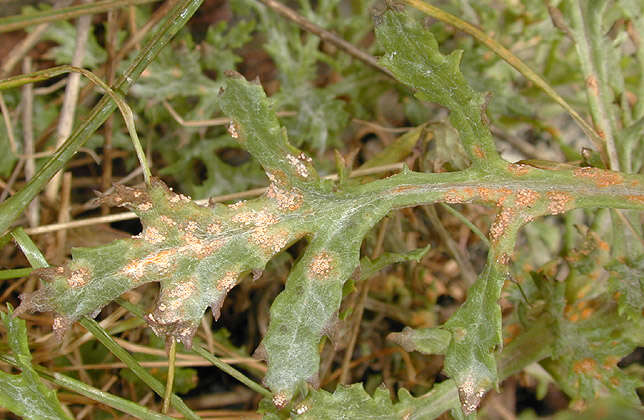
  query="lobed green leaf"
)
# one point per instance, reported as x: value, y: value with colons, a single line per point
x: 412, y: 55
x: 25, y: 394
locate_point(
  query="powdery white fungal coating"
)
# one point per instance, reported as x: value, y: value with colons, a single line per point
x: 280, y: 400
x: 526, y: 198
x: 558, y: 201
x: 199, y: 247
x: 60, y: 325
x: 300, y: 168
x: 286, y: 200
x: 183, y: 290
x: 79, y: 277
x: 321, y: 265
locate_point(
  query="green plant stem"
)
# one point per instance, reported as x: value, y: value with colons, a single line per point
x: 172, y: 355
x: 198, y: 349
x: 12, y: 23
x: 31, y: 251
x: 173, y: 22
x: 587, y: 38
x: 123, y: 355
x: 15, y: 273
x: 95, y: 394
x: 510, y: 58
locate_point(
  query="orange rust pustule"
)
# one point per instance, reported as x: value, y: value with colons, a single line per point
x: 591, y: 84
x: 518, y: 169
x: 497, y: 195
x: 526, y: 197
x: 559, y: 201
x: 321, y: 265
x: 479, y: 152
x: 404, y: 188
x: 503, y: 259
x: 513, y: 331
x: 601, y: 177
x: 501, y: 223
x: 639, y: 199
x: 584, y: 366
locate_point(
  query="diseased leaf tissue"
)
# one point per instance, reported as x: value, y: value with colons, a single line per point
x: 191, y: 250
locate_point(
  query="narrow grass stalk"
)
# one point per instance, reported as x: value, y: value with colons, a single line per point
x: 172, y: 355
x: 12, y: 23
x: 198, y: 349
x: 15, y: 273
x: 172, y: 23
x: 124, y: 108
x: 95, y: 394
x: 467, y: 223
x: 123, y: 355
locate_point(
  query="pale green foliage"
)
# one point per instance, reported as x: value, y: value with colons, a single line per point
x: 627, y: 280
x: 198, y: 254
x: 412, y: 55
x: 25, y: 394
x: 353, y: 402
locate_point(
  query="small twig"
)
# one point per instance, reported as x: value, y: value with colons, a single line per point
x: 66, y: 121
x: 33, y: 209
x: 327, y: 36
x: 170, y: 380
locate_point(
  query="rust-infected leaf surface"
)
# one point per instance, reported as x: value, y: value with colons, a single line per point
x: 196, y: 253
